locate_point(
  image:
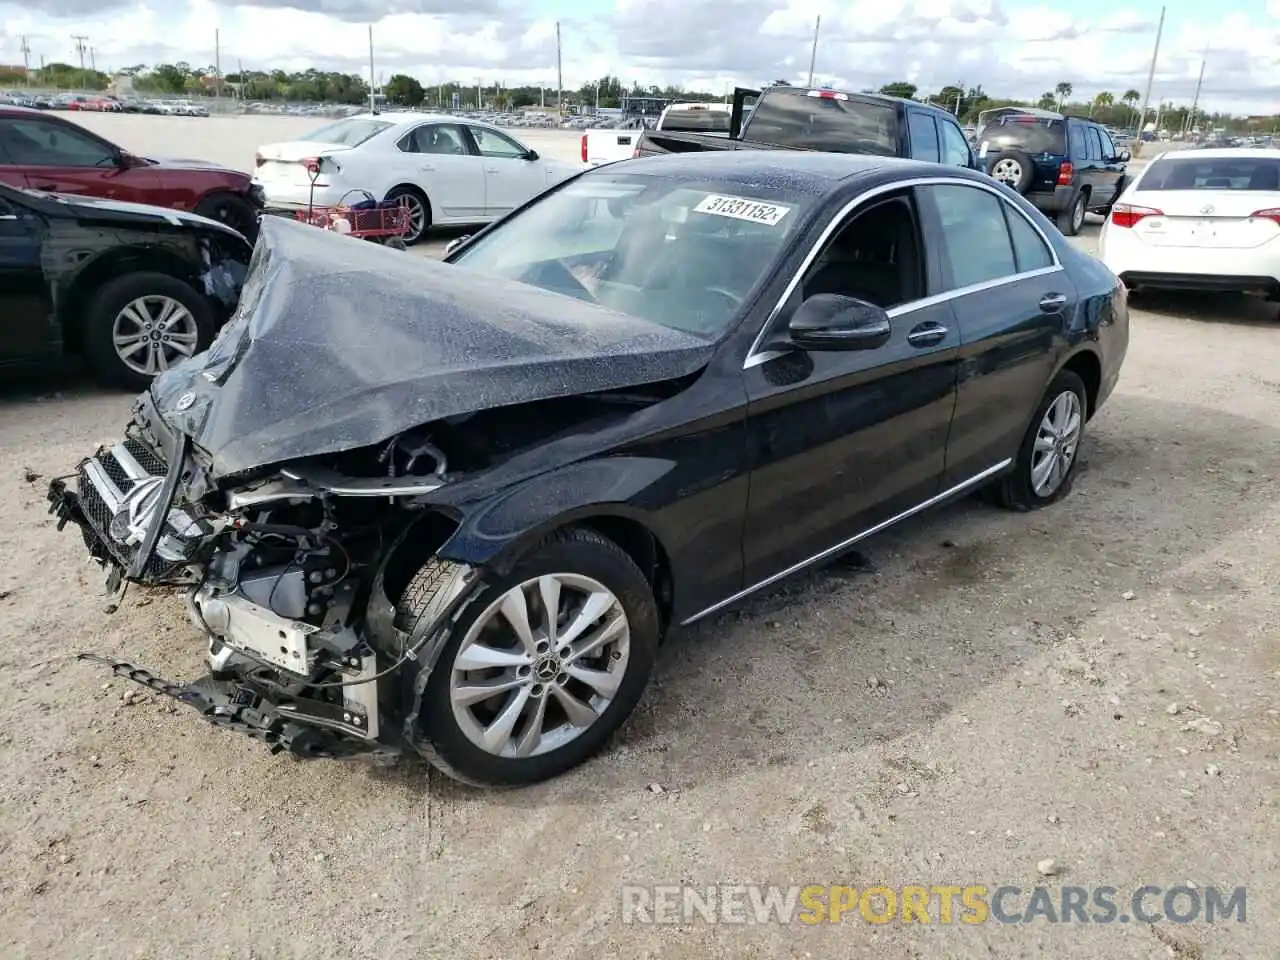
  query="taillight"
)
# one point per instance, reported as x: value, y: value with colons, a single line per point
x: 1271, y: 213
x: 1127, y: 215
x: 584, y: 148
x: 1065, y: 173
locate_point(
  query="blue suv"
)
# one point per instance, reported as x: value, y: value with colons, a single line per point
x: 1063, y: 164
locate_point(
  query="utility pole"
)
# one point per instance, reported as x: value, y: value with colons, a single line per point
x: 373, y: 101
x: 559, y: 76
x: 1151, y: 76
x: 479, y: 93
x: 81, y: 47
x: 93, y: 61
x: 1195, y: 100
x: 959, y: 97
x: 240, y: 74
x: 813, y: 53
x: 217, y: 63
x: 26, y: 58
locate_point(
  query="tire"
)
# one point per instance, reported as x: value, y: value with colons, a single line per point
x: 235, y: 211
x: 1018, y: 490
x: 1015, y: 170
x: 420, y: 208
x: 105, y: 316
x: 1071, y: 219
x: 395, y: 243
x: 450, y: 731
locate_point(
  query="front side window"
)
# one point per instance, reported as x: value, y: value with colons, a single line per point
x: 924, y: 136
x: 36, y: 143
x: 955, y: 148
x: 491, y: 143
x: 976, y: 245
x: 681, y: 253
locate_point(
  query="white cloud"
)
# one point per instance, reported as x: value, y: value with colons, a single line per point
x: 1010, y: 49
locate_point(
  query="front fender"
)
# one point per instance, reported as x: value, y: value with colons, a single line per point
x: 494, y: 532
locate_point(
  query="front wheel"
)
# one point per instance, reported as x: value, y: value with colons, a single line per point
x: 235, y: 211
x: 1047, y: 458
x: 140, y: 324
x: 542, y: 666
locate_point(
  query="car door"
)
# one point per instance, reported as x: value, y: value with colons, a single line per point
x: 843, y: 441
x: 1011, y: 297
x: 61, y: 157
x: 512, y: 173
x: 1095, y: 176
x: 1111, y: 175
x: 27, y: 330
x: 924, y: 135
x: 440, y: 158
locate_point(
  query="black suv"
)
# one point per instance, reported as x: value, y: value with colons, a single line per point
x: 1065, y: 165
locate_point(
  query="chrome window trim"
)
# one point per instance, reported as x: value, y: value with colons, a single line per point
x: 756, y: 356
x: 973, y: 481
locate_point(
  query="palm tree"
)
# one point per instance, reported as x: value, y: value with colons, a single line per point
x: 1063, y: 90
x: 1131, y: 97
x: 1103, y: 99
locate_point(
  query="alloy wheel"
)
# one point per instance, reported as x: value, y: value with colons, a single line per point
x: 417, y: 215
x: 1007, y: 171
x: 152, y: 333
x: 1057, y: 440
x: 540, y: 665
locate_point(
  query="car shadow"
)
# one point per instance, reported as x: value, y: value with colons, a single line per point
x: 862, y: 653
x: 1226, y: 309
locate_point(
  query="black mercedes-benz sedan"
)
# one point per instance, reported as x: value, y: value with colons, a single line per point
x: 453, y: 507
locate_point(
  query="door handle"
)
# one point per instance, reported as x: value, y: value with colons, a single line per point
x: 492, y: 170
x: 926, y: 334
x: 427, y: 168
x: 1053, y: 302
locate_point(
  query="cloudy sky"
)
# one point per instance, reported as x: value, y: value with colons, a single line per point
x: 1012, y: 47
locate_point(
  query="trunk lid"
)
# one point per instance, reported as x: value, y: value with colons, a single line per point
x: 1203, y: 218
x: 284, y: 164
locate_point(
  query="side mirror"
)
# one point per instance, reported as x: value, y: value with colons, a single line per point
x: 453, y: 245
x: 531, y: 155
x: 1125, y: 156
x: 831, y: 321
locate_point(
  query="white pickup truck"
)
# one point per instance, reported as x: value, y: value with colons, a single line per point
x: 609, y: 146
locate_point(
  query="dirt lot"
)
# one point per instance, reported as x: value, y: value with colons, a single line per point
x: 1094, y: 684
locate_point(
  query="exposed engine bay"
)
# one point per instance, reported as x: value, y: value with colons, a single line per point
x: 294, y: 574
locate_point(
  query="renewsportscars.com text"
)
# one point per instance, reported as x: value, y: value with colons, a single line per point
x: 959, y: 904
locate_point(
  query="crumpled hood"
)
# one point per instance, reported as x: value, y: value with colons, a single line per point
x: 339, y: 343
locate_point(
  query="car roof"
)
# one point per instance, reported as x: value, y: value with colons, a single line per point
x: 811, y: 172
x: 1222, y: 153
x: 13, y: 110
x: 403, y: 118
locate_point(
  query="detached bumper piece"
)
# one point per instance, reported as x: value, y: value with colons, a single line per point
x: 300, y: 727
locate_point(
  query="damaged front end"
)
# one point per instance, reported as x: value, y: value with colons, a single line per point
x: 286, y: 576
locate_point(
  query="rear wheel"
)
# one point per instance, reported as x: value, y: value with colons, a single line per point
x: 141, y: 324
x: 1047, y: 458
x: 542, y: 666
x: 419, y: 212
x: 1071, y: 219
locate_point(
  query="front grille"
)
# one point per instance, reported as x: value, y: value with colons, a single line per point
x: 125, y: 465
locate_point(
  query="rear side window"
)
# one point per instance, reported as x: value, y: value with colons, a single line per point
x: 977, y: 241
x: 924, y: 136
x: 955, y: 148
x: 821, y: 123
x: 1025, y: 133
x: 1217, y: 173
x: 1028, y: 246
x: 695, y: 121
x: 1094, y: 143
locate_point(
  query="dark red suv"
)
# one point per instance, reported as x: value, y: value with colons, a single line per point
x: 39, y: 151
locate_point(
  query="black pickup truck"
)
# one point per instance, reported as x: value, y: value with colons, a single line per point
x: 804, y: 118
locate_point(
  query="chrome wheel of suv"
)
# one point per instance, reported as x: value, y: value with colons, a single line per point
x: 1007, y: 171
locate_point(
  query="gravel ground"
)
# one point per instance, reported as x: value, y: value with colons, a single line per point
x: 1093, y: 684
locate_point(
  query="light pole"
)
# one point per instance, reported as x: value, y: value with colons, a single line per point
x: 1151, y: 76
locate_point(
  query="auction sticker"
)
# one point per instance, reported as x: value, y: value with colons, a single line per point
x: 740, y: 208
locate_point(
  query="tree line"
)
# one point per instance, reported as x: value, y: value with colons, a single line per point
x: 326, y: 86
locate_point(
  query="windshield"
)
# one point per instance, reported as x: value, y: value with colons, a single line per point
x: 684, y: 254
x: 348, y: 133
x: 1213, y: 173
x: 1024, y: 132
x: 822, y: 123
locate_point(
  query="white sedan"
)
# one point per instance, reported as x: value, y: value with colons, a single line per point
x: 1199, y: 220
x: 449, y: 170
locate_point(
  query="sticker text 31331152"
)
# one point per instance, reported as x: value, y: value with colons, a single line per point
x: 740, y: 208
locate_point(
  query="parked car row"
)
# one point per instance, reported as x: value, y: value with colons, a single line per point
x: 104, y: 103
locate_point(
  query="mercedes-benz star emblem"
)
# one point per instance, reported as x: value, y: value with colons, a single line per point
x: 184, y: 402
